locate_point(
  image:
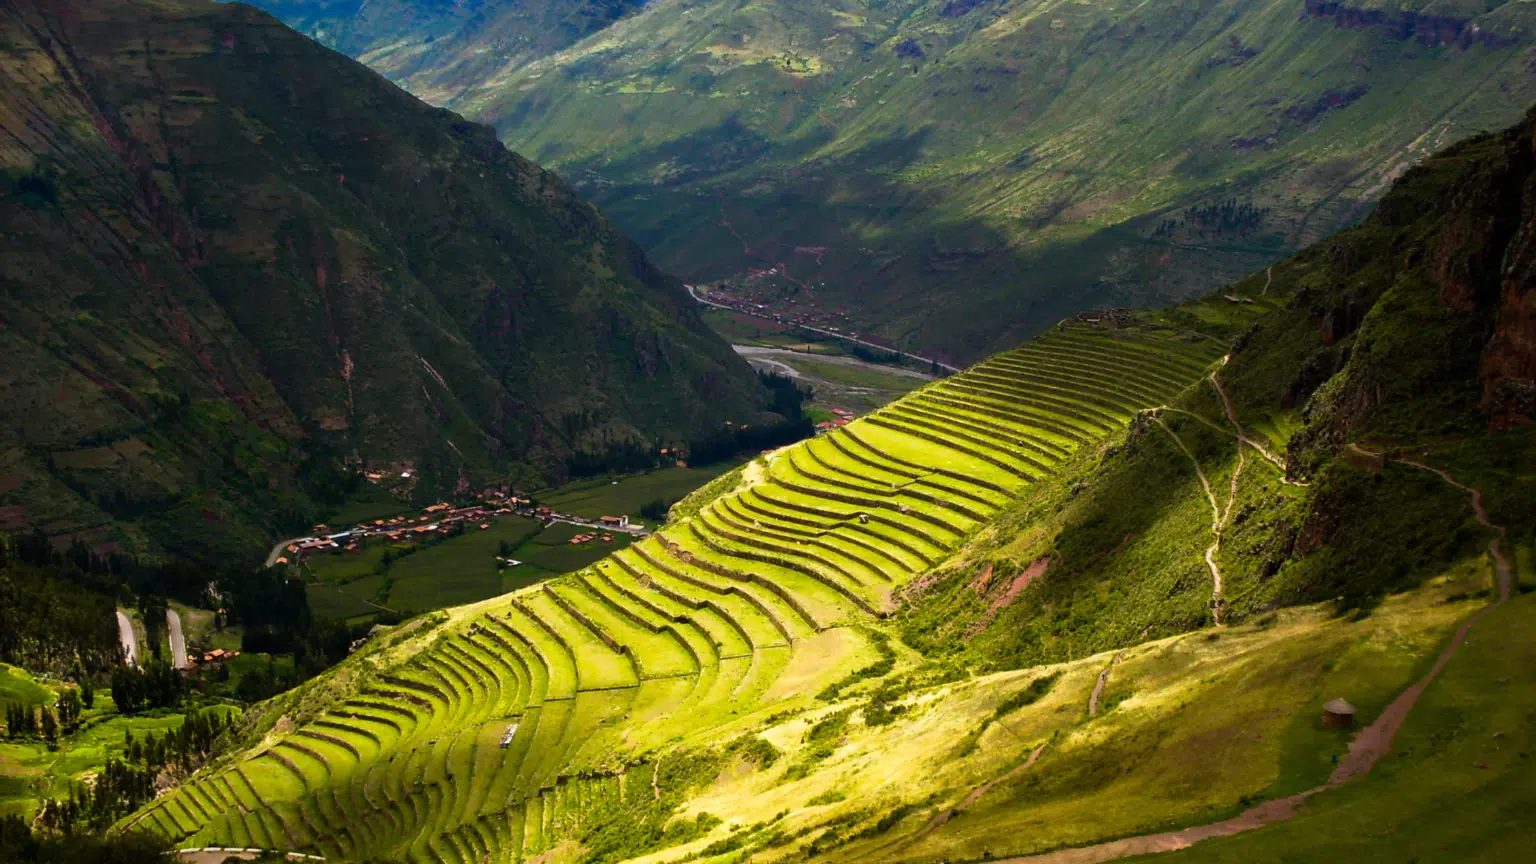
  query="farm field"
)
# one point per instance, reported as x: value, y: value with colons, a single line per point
x: 462, y: 569
x: 453, y: 570
x: 31, y: 769
x: 625, y: 495
x: 745, y: 608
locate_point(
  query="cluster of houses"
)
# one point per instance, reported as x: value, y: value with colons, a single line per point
x: 442, y: 518
x: 212, y: 658
x: 842, y: 418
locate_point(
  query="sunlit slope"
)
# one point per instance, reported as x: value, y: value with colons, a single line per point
x: 751, y: 605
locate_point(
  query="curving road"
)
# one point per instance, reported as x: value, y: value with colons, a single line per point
x: 833, y: 334
x: 279, y: 548
x: 178, y: 644
x: 764, y: 355
x: 130, y: 642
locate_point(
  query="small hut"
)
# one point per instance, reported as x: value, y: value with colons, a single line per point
x: 1338, y: 714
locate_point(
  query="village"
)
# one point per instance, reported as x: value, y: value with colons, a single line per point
x: 444, y: 519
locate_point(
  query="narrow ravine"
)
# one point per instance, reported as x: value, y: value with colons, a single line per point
x: 1365, y: 750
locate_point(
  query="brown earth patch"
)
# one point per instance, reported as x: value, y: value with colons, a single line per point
x: 1005, y: 599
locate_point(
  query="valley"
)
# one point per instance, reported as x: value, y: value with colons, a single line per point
x: 911, y: 164
x: 1073, y: 433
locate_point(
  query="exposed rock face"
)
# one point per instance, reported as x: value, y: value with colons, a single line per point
x: 1425, y: 312
x: 1509, y: 362
x: 228, y: 250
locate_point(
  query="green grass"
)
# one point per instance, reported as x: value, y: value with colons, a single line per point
x: 343, y: 567
x: 625, y: 495
x: 19, y: 687
x: 852, y: 376
x: 328, y: 601
x: 1457, y: 785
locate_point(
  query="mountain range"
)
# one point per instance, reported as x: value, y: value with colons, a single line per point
x: 239, y: 267
x: 956, y: 175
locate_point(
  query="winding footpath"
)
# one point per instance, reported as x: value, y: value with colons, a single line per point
x: 1098, y: 687
x: 1218, y: 517
x: 1365, y: 750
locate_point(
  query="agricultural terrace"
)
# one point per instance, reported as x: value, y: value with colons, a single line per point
x: 475, y: 734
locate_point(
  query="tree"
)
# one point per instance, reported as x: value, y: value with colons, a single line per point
x: 69, y: 708
x: 50, y: 725
x: 87, y: 693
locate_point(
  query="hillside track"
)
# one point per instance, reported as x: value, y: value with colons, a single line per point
x: 1098, y: 686
x: 1367, y: 748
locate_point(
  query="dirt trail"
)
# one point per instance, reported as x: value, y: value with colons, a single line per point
x: 1218, y: 519
x: 1365, y: 751
x: 1269, y: 276
x: 1098, y: 688
x: 1226, y: 405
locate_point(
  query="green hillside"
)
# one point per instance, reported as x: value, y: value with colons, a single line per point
x: 239, y: 266
x: 441, y: 46
x: 957, y: 175
x: 1093, y: 591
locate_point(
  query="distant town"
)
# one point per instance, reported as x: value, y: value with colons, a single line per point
x: 444, y: 518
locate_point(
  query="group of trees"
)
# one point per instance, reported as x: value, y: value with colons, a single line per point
x: 45, y: 721
x: 19, y: 844
x: 183, y: 747
x: 119, y: 789
x: 726, y: 442
x: 154, y: 686
x: 126, y: 784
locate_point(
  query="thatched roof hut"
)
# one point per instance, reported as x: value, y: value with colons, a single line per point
x: 1338, y: 714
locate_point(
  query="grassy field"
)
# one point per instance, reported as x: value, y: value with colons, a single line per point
x: 456, y: 570
x: 1458, y: 786
x: 625, y: 495
x: 852, y: 376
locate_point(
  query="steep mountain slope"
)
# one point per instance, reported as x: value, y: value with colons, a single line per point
x: 819, y: 657
x: 233, y: 257
x: 964, y: 173
x: 442, y: 47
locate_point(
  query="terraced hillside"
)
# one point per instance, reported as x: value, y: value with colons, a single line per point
x: 492, y: 731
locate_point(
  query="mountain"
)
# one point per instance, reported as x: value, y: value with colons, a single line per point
x: 956, y: 175
x: 1098, y: 591
x: 235, y: 261
x: 442, y: 47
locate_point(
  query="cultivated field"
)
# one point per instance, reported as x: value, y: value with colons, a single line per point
x: 484, y: 733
